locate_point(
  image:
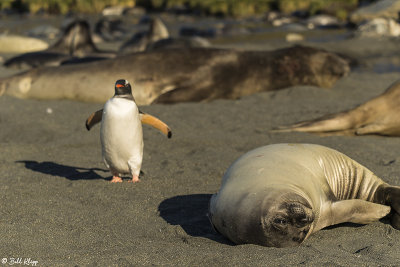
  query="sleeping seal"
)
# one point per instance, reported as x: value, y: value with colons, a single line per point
x: 379, y: 115
x: 179, y: 75
x: 76, y: 41
x: 158, y: 37
x: 278, y: 195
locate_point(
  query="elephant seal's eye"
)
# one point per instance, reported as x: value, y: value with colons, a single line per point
x: 280, y: 221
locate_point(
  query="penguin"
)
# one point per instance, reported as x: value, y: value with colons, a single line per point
x: 121, y: 132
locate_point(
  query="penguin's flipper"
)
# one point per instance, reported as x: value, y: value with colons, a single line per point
x: 93, y: 119
x: 156, y: 123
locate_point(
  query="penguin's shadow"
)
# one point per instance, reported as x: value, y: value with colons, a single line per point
x: 190, y: 212
x: 69, y: 172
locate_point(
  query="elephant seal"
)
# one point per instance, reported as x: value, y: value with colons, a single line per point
x: 109, y: 29
x: 76, y: 41
x: 379, y: 115
x: 158, y: 37
x: 179, y: 75
x: 140, y: 40
x: 20, y: 44
x: 278, y: 195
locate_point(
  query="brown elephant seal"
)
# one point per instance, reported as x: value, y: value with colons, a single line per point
x: 278, y: 195
x: 179, y: 75
x: 379, y: 115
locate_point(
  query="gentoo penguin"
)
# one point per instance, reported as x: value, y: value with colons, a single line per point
x: 121, y: 132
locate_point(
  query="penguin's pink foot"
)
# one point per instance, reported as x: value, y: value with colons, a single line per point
x: 135, y: 179
x: 116, y: 179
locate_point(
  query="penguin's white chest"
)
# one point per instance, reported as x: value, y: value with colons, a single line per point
x: 121, y: 136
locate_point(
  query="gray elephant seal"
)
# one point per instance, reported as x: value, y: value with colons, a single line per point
x: 158, y: 37
x: 179, y: 75
x: 278, y: 195
x: 379, y: 115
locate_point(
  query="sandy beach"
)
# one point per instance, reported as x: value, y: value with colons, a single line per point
x: 59, y: 209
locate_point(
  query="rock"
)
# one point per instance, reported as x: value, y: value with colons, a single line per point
x: 379, y: 27
x: 135, y: 11
x: 294, y: 37
x: 231, y: 30
x: 189, y: 31
x: 293, y: 27
x: 281, y: 21
x: 271, y: 16
x: 382, y: 8
x: 322, y: 21
x: 113, y: 11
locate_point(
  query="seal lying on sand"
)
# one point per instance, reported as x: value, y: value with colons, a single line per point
x: 278, y: 195
x: 121, y: 133
x: 380, y: 115
x: 20, y: 44
x: 76, y: 41
x: 158, y: 38
x: 178, y: 75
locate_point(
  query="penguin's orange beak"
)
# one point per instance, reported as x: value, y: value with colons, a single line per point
x: 119, y: 85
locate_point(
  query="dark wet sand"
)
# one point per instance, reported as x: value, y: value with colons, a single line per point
x: 58, y: 207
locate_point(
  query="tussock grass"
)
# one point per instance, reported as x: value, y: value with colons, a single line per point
x: 236, y: 8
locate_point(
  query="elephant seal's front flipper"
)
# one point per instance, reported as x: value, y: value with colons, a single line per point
x: 357, y: 211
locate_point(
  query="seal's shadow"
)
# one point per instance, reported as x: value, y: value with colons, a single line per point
x: 69, y: 172
x: 190, y: 212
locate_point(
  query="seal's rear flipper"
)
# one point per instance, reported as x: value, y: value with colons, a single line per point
x: 339, y: 122
x: 379, y: 128
x: 357, y: 211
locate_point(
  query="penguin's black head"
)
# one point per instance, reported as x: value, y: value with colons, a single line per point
x: 123, y: 88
